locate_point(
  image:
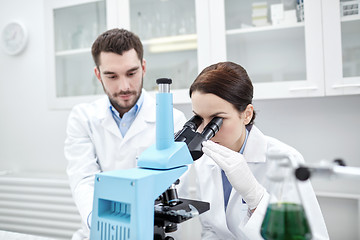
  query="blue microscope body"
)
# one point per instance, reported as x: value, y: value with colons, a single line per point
x: 123, y: 206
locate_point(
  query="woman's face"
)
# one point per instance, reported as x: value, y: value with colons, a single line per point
x: 232, y: 132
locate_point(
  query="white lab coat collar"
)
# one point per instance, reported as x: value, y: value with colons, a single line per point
x: 256, y: 146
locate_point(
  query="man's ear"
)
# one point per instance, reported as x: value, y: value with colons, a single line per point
x: 97, y: 73
x: 144, y: 66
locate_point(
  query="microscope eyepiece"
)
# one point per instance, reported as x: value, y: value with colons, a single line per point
x: 193, y: 123
x: 194, y: 139
x: 164, y: 85
x: 163, y: 81
x: 212, y: 128
x: 188, y: 130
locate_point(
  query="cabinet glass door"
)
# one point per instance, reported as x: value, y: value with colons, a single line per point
x: 168, y: 32
x: 350, y: 37
x: 267, y: 38
x: 279, y: 43
x: 341, y: 21
x: 75, y: 29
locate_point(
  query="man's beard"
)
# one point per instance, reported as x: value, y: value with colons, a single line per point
x: 125, y: 106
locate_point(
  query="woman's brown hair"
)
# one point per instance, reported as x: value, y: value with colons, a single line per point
x: 228, y: 81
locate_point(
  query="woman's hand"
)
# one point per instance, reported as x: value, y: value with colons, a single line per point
x: 237, y: 172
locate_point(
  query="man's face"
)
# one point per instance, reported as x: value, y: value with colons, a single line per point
x: 122, y: 78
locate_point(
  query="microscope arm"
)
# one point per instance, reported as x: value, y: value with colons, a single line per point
x: 328, y: 170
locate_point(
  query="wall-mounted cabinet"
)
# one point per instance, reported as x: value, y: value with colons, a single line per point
x: 166, y: 28
x: 290, y: 48
x: 341, y: 27
x: 295, y: 48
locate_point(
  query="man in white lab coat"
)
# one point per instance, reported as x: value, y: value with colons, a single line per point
x: 109, y: 133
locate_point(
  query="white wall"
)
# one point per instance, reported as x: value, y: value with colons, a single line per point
x: 320, y: 128
x: 32, y: 136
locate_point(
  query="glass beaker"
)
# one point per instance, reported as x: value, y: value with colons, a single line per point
x: 285, y: 218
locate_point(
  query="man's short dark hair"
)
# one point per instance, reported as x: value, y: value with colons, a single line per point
x: 117, y: 41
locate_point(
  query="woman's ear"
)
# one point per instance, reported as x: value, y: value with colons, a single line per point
x: 248, y: 113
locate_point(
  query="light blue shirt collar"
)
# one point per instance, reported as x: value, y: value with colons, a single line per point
x: 243, y: 146
x: 128, y: 118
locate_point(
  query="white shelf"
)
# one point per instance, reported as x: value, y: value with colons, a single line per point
x: 189, y: 38
x: 73, y: 52
x: 172, y: 43
x: 171, y: 39
x: 350, y: 18
x: 267, y: 33
x: 264, y: 28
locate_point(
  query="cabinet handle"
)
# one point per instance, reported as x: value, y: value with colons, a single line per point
x: 345, y: 85
x: 303, y: 88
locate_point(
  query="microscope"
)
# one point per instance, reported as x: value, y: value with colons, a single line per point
x: 142, y: 203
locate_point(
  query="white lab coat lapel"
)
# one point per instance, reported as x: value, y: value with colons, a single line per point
x: 212, y: 172
x: 254, y: 151
x: 256, y: 146
x: 110, y: 125
x: 147, y: 114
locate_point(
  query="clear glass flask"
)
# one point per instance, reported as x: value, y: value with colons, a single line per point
x: 285, y: 218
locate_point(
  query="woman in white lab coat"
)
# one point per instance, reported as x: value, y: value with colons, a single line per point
x: 231, y: 175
